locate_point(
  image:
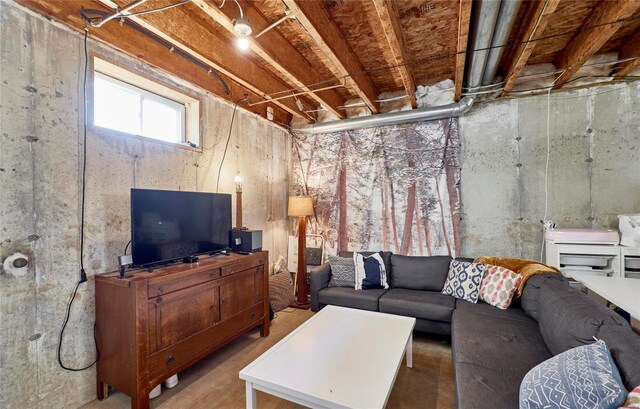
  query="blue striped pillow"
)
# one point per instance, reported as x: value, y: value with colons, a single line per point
x: 370, y: 272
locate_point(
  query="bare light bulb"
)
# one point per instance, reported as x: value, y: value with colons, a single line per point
x: 239, y: 180
x: 243, y: 43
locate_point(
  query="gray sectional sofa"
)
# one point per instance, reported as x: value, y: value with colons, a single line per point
x: 492, y: 349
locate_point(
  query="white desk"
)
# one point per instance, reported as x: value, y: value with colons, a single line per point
x: 623, y: 292
x: 340, y: 358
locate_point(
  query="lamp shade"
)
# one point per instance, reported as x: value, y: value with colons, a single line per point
x: 300, y: 206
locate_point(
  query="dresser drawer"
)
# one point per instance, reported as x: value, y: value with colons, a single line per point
x: 177, y: 357
x: 166, y: 287
x: 245, y: 265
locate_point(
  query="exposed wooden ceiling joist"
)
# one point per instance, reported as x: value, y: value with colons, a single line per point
x: 186, y: 34
x: 132, y: 42
x: 277, y: 52
x: 321, y: 27
x: 595, y: 34
x: 388, y: 14
x: 630, y: 49
x: 464, y: 19
x: 537, y: 21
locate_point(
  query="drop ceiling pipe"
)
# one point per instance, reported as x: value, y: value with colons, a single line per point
x: 392, y: 118
x: 484, y: 15
x: 506, y: 19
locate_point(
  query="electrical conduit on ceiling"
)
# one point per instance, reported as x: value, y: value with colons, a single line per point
x: 485, y: 16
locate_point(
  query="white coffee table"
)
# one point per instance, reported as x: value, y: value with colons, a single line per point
x: 340, y: 358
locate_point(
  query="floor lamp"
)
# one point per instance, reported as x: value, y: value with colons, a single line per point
x: 301, y: 207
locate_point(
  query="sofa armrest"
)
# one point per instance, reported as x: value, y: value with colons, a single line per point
x: 319, y: 279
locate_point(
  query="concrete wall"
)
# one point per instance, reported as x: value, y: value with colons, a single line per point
x: 594, y: 167
x: 40, y: 164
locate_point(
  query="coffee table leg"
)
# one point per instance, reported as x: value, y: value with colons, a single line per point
x: 251, y: 396
x: 409, y: 351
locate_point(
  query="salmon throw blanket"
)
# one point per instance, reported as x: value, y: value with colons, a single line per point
x: 526, y: 268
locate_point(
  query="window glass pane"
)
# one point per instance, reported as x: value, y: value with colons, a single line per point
x: 161, y: 121
x: 116, y: 107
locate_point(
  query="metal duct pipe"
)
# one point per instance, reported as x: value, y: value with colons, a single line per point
x: 506, y: 19
x: 484, y: 16
x: 392, y: 118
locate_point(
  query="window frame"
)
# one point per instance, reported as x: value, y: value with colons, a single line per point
x: 152, y: 88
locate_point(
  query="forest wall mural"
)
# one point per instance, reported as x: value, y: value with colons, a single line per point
x: 393, y: 188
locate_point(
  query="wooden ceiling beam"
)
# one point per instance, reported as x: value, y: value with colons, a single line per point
x: 137, y: 45
x: 175, y: 27
x: 464, y: 19
x: 595, y: 34
x: 630, y: 49
x: 388, y: 14
x: 536, y: 23
x: 278, y: 52
x: 323, y: 30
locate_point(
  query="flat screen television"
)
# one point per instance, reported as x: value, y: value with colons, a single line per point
x: 169, y: 225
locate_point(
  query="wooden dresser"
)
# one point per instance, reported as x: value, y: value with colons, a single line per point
x: 157, y: 322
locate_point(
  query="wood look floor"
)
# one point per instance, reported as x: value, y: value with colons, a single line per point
x: 214, y: 383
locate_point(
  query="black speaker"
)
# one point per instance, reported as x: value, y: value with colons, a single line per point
x: 247, y: 241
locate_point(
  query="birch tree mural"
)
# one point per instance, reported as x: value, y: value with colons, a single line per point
x: 394, y: 188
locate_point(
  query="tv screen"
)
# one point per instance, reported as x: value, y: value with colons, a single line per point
x: 168, y: 225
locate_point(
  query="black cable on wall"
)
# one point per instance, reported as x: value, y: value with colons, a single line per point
x: 83, y: 274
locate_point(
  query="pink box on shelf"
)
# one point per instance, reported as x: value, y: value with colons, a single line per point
x: 583, y: 236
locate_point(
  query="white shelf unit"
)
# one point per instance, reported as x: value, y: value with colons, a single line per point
x: 599, y: 259
x: 630, y: 261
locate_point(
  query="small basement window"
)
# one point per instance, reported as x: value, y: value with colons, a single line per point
x: 129, y: 103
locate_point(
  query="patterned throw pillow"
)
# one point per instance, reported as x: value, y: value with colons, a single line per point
x: 280, y: 265
x: 633, y: 400
x: 370, y: 272
x: 343, y: 272
x: 584, y: 377
x: 464, y: 280
x: 498, y: 286
x: 280, y: 290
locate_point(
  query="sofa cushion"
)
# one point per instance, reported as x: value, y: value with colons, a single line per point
x: 509, y: 342
x: 531, y: 292
x: 624, y: 345
x: 492, y: 351
x: 568, y: 318
x: 350, y: 297
x: 386, y: 257
x: 464, y: 280
x: 419, y: 273
x: 479, y: 387
x: 482, y: 307
x: 430, y: 305
x: 343, y: 272
x: 584, y: 377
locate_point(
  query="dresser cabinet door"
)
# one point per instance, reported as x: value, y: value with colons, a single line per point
x: 240, y: 291
x: 180, y: 314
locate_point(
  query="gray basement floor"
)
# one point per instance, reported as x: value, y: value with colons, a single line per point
x: 214, y: 383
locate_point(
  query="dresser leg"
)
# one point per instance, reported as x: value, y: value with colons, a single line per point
x: 140, y: 400
x: 264, y: 329
x: 102, y: 390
